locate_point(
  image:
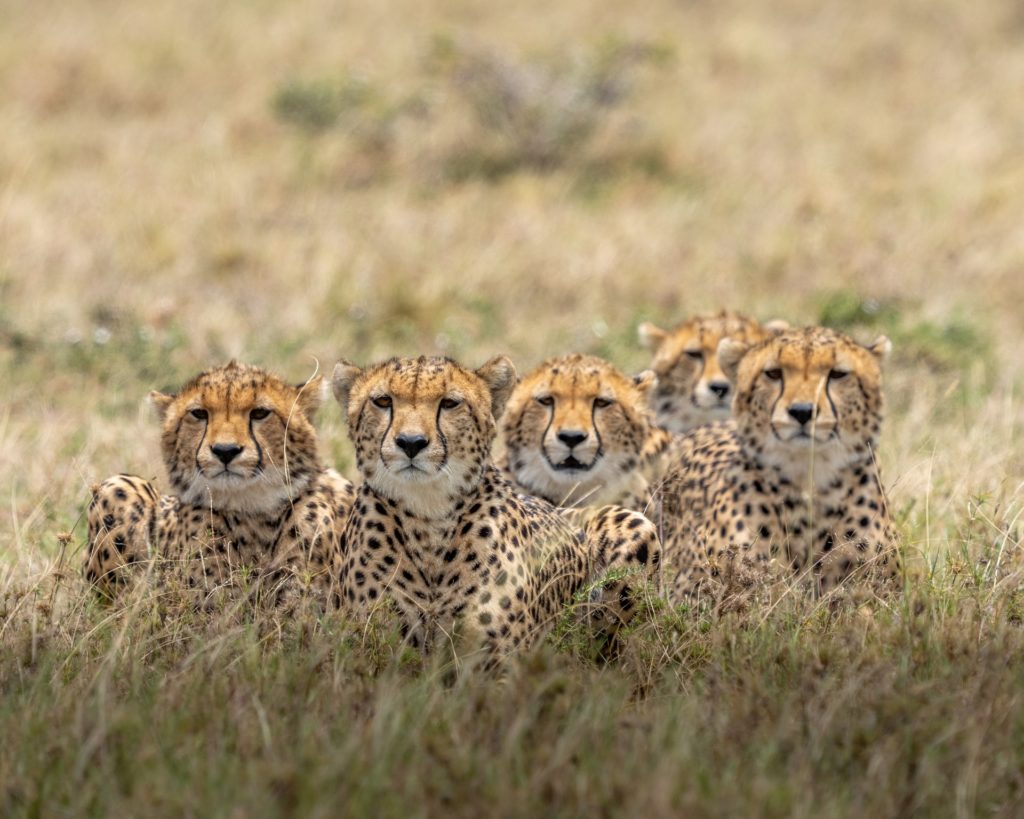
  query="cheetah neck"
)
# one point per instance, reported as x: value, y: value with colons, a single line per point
x: 260, y: 496
x: 435, y: 499
x: 610, y: 483
x: 812, y: 467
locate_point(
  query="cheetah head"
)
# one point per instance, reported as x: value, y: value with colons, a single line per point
x: 807, y: 399
x: 693, y: 389
x: 575, y: 426
x: 239, y: 438
x: 423, y: 427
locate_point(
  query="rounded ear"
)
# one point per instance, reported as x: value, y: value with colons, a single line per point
x: 160, y: 402
x: 880, y: 348
x: 730, y: 351
x: 311, y: 395
x: 645, y: 381
x: 345, y: 375
x: 651, y: 336
x: 775, y: 326
x: 499, y: 374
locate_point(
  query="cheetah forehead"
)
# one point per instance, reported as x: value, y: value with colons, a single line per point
x: 236, y: 386
x: 813, y: 350
x: 580, y: 375
x: 705, y: 331
x: 426, y: 378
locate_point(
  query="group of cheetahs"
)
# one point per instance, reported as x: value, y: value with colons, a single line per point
x: 746, y: 451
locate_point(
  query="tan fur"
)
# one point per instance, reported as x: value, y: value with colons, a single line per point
x: 439, y: 531
x: 575, y: 429
x: 692, y: 388
x: 266, y: 502
x: 794, y: 476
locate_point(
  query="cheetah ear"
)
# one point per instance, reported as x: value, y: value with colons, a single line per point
x: 311, y: 395
x: 880, y: 348
x: 345, y: 375
x: 651, y: 336
x: 776, y: 326
x: 730, y: 351
x: 645, y: 381
x: 160, y: 402
x: 499, y: 374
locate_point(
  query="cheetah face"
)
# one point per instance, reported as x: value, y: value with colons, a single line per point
x: 692, y: 387
x: 576, y: 424
x: 238, y: 438
x: 423, y: 428
x: 808, y: 395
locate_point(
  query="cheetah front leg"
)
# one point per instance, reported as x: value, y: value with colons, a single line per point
x: 624, y: 552
x: 122, y: 526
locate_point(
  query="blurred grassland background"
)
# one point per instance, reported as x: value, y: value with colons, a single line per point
x: 183, y: 182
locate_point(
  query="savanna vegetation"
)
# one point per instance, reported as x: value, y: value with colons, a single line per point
x: 288, y: 183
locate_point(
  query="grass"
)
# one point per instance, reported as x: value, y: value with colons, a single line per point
x: 184, y: 182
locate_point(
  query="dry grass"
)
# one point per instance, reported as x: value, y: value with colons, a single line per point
x: 181, y: 182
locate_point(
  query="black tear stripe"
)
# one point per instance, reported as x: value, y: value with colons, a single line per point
x: 259, y: 449
x: 597, y: 434
x: 782, y: 390
x: 387, y: 429
x: 831, y: 403
x: 440, y: 433
x: 547, y: 428
x: 202, y: 439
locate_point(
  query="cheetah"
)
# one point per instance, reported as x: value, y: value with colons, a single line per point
x: 579, y: 432
x: 437, y: 530
x: 793, y: 476
x: 692, y: 387
x: 249, y: 490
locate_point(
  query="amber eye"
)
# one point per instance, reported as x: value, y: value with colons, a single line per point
x: 696, y: 355
x: 545, y: 400
x: 450, y: 403
x: 774, y: 374
x: 601, y: 403
x: 259, y: 413
x: 835, y: 375
x: 199, y: 414
x: 382, y: 401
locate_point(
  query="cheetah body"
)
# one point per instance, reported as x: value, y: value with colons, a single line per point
x: 440, y: 532
x: 793, y: 477
x: 692, y: 388
x: 250, y: 491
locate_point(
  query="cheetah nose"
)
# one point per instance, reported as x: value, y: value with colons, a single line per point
x: 226, y: 453
x: 412, y: 445
x: 802, y: 412
x: 719, y: 388
x: 572, y: 437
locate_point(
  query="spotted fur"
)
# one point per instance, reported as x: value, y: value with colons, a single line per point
x: 793, y: 477
x: 249, y: 490
x: 575, y: 430
x: 692, y: 388
x: 437, y: 530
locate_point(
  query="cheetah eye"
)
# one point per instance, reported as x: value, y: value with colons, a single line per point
x: 601, y: 403
x: 774, y: 374
x: 259, y: 413
x: 835, y: 375
x: 545, y: 400
x: 382, y: 401
x: 696, y: 355
x: 450, y: 403
x: 199, y: 414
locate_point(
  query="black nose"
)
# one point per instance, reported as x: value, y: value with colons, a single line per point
x: 226, y: 453
x: 412, y: 445
x: 801, y: 413
x: 572, y: 437
x: 719, y: 388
